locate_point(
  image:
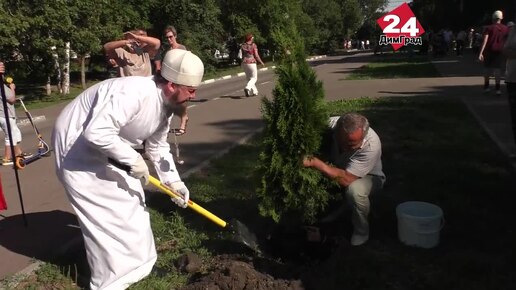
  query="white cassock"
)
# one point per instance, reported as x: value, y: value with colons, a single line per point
x: 106, y: 121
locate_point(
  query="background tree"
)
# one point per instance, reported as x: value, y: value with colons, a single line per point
x: 328, y: 24
x: 41, y: 34
x: 14, y: 23
x: 351, y: 16
x: 97, y: 22
x: 238, y: 18
x: 372, y: 10
x: 197, y: 23
x: 460, y: 14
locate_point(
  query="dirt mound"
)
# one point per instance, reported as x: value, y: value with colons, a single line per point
x: 230, y: 274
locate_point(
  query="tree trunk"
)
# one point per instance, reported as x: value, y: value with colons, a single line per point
x: 59, y: 77
x: 48, y: 87
x: 58, y: 73
x: 66, y: 70
x: 83, y: 71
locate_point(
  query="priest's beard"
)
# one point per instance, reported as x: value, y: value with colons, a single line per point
x: 171, y: 102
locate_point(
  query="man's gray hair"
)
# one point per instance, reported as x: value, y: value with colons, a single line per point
x: 350, y: 122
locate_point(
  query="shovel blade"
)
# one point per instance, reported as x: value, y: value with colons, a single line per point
x: 241, y: 234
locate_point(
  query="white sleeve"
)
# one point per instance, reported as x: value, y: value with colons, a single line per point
x: 102, y: 132
x: 158, y: 150
x: 362, y: 163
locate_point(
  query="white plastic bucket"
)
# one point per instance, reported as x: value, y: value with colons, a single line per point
x: 419, y: 223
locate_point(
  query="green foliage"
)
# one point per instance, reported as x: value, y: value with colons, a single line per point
x: 294, y: 121
x: 31, y: 28
x: 197, y: 23
x: 327, y: 22
x: 458, y: 15
x: 288, y: 44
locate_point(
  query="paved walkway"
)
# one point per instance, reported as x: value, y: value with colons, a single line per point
x: 460, y: 77
x: 491, y: 111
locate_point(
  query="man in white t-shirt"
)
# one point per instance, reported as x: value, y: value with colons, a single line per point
x: 357, y: 167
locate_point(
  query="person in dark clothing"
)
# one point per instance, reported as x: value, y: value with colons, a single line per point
x: 491, y: 50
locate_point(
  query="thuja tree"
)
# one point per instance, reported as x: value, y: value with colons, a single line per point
x: 295, y: 119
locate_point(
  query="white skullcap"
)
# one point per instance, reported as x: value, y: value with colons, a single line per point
x: 182, y: 67
x: 498, y: 14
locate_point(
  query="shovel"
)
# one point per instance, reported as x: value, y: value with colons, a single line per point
x: 240, y: 232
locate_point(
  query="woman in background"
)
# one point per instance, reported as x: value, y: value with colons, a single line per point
x: 250, y: 56
x: 170, y: 34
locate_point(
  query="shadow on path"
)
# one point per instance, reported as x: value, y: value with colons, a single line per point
x: 52, y: 237
x: 45, y: 235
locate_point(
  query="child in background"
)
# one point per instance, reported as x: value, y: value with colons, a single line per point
x: 10, y: 94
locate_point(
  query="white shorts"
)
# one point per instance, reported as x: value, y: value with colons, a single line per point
x: 15, y: 131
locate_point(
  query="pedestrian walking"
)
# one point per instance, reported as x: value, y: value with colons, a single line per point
x: 250, y: 55
x: 461, y: 42
x: 471, y: 37
x: 491, y: 51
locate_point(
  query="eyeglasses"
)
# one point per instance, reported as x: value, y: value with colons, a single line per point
x: 170, y: 36
x: 190, y: 90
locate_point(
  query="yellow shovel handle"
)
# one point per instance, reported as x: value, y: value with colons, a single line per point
x: 199, y: 209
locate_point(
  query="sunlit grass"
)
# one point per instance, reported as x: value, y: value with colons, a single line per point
x: 391, y: 67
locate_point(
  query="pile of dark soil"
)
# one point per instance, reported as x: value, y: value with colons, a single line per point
x: 286, y: 261
x: 231, y: 273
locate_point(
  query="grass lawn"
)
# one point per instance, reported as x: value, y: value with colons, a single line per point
x: 433, y: 151
x: 392, y: 66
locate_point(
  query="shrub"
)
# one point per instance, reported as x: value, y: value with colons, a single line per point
x: 295, y: 120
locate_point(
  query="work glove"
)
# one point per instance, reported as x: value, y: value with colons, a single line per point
x: 140, y: 170
x: 184, y: 194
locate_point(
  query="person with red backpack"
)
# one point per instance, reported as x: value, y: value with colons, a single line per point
x: 491, y: 50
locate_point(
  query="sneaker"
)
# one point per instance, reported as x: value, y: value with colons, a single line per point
x: 7, y: 161
x: 498, y: 92
x: 357, y: 240
x: 246, y: 92
x: 26, y: 155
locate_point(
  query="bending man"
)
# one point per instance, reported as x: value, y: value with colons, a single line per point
x: 356, y: 152
x: 105, y: 122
